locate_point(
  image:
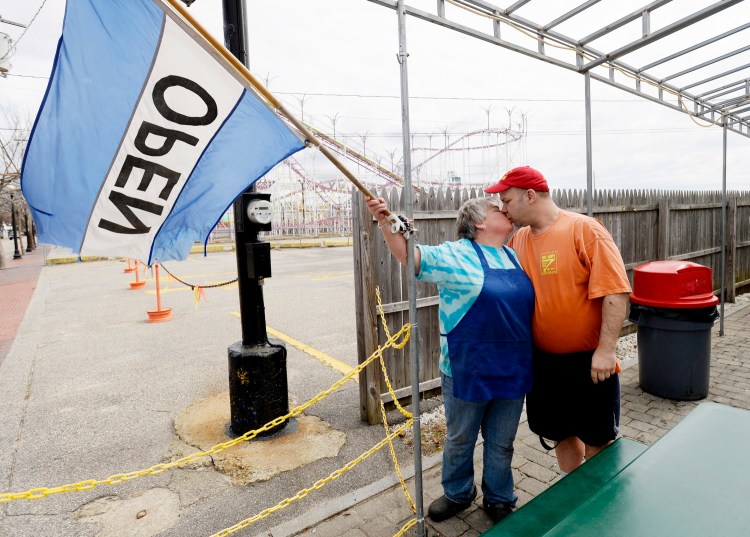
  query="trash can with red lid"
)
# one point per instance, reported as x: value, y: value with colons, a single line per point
x: 674, y: 309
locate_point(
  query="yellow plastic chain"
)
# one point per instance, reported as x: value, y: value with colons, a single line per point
x: 397, y: 341
x: 395, y: 459
x: 406, y: 527
x: 403, y: 411
x: 42, y: 492
x: 318, y: 484
x: 387, y: 440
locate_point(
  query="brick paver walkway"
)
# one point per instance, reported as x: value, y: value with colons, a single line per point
x: 17, y: 283
x: 644, y: 418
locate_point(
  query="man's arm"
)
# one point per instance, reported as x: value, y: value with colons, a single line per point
x: 604, y: 361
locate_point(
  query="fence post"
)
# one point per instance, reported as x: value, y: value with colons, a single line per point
x: 663, y: 230
x: 730, y: 284
x: 367, y: 328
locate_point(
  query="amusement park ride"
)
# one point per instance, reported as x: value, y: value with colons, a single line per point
x: 308, y: 203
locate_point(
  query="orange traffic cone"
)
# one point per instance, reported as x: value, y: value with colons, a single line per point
x: 159, y: 315
x: 130, y: 267
x: 138, y: 283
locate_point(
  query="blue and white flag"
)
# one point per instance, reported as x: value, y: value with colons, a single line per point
x: 145, y: 136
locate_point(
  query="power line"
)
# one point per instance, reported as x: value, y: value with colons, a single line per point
x: 423, y: 97
x: 15, y: 44
x: 535, y: 133
x: 439, y: 98
x: 28, y: 76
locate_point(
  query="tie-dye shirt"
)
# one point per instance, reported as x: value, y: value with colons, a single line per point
x: 457, y: 271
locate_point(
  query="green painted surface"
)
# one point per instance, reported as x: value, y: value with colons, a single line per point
x: 553, y: 505
x: 693, y: 482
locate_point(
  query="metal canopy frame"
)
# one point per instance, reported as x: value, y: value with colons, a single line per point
x: 717, y: 98
x: 720, y: 98
x: 693, y: 90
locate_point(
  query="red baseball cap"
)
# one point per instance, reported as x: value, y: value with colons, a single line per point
x: 524, y: 177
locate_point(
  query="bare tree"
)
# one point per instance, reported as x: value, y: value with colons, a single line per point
x: 13, y: 139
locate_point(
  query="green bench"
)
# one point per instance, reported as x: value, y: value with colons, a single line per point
x: 694, y: 481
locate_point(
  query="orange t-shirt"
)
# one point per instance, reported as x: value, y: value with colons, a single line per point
x: 572, y: 264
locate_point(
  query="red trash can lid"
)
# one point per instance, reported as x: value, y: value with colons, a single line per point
x: 673, y: 284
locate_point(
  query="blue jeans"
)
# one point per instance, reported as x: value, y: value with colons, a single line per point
x: 498, y: 419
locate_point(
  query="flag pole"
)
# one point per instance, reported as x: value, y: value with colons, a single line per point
x: 310, y: 138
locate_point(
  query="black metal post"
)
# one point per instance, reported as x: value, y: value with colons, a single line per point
x: 28, y: 231
x: 258, y: 389
x: 17, y: 253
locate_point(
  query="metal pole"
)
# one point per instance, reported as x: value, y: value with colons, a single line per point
x: 723, y: 223
x: 28, y: 230
x: 265, y: 396
x: 17, y: 253
x: 252, y: 310
x: 589, y: 163
x: 409, y: 202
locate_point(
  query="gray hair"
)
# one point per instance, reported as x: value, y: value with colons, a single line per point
x: 472, y: 212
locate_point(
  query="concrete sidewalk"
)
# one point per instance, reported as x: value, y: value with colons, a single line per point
x: 17, y: 283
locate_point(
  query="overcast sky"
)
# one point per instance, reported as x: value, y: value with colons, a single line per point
x: 337, y: 59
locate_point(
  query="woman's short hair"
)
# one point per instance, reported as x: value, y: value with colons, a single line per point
x: 472, y: 212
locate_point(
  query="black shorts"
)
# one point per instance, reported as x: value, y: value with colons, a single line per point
x: 565, y: 402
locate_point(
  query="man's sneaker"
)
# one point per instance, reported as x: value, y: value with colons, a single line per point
x: 497, y: 511
x: 443, y: 509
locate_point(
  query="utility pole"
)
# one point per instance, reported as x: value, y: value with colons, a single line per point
x: 333, y: 119
x: 17, y: 253
x: 487, y: 150
x: 302, y: 106
x: 28, y: 229
x: 6, y: 46
x: 258, y: 390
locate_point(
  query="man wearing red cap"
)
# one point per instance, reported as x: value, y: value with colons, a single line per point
x: 581, y: 300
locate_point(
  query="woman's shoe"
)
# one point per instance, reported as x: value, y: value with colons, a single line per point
x: 444, y: 508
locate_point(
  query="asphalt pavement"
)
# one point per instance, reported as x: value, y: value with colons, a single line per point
x: 91, y: 389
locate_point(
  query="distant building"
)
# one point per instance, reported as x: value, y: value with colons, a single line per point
x: 453, y: 179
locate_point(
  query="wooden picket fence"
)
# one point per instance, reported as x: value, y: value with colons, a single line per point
x: 646, y: 226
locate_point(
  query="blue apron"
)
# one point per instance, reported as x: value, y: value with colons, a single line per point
x: 490, y: 348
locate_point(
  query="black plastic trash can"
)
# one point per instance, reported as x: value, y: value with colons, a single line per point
x: 674, y: 309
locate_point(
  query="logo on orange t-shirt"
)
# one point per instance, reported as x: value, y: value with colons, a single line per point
x: 549, y: 263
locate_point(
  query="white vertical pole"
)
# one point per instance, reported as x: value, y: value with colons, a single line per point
x: 723, y: 223
x: 409, y: 202
x: 589, y: 159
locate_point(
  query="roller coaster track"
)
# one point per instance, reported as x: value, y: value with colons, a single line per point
x: 357, y: 158
x: 511, y: 136
x: 390, y: 177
